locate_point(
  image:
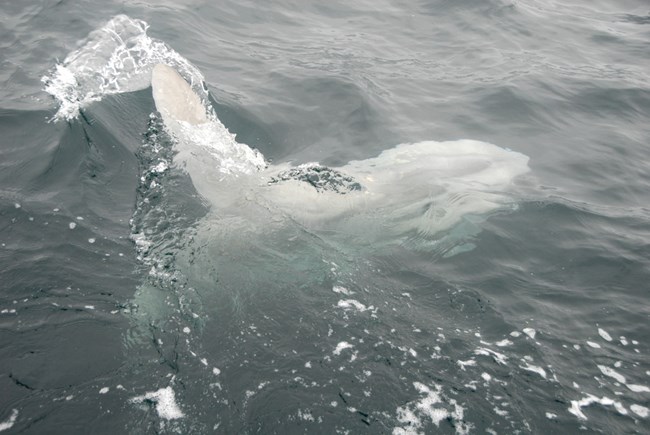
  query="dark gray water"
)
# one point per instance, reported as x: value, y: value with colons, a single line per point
x: 129, y: 303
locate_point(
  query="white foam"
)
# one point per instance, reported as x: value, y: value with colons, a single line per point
x: 620, y: 408
x: 530, y: 332
x: 72, y: 225
x: 498, y: 357
x: 343, y: 290
x: 8, y: 423
x: 458, y: 416
x: 535, y: 369
x: 305, y: 415
x: 612, y: 373
x: 577, y: 405
x: 165, y: 401
x: 462, y: 364
x: 504, y: 342
x: 342, y: 346
x: 216, y: 371
x: 352, y: 304
x: 594, y: 345
x: 104, y: 390
x: 604, y: 334
x: 551, y: 416
x: 639, y: 410
x: 160, y: 167
x: 638, y: 388
x: 412, y: 413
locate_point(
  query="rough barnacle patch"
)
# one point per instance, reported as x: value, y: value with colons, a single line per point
x: 320, y: 177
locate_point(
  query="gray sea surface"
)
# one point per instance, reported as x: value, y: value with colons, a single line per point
x: 130, y: 303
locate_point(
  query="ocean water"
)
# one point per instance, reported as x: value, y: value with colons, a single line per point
x: 470, y: 254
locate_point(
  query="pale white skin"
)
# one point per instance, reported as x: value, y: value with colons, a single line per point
x: 425, y: 186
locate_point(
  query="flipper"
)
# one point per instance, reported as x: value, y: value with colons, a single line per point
x: 174, y: 98
x: 205, y: 148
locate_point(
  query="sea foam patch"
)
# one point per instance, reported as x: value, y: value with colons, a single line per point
x: 353, y: 304
x: 429, y: 408
x: 604, y: 334
x: 165, y: 402
x: 640, y: 410
x: 340, y: 347
x: 9, y: 423
x: 590, y: 399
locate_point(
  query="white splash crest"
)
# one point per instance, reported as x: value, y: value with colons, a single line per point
x: 8, y: 424
x: 589, y: 399
x: 415, y: 415
x: 113, y: 59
